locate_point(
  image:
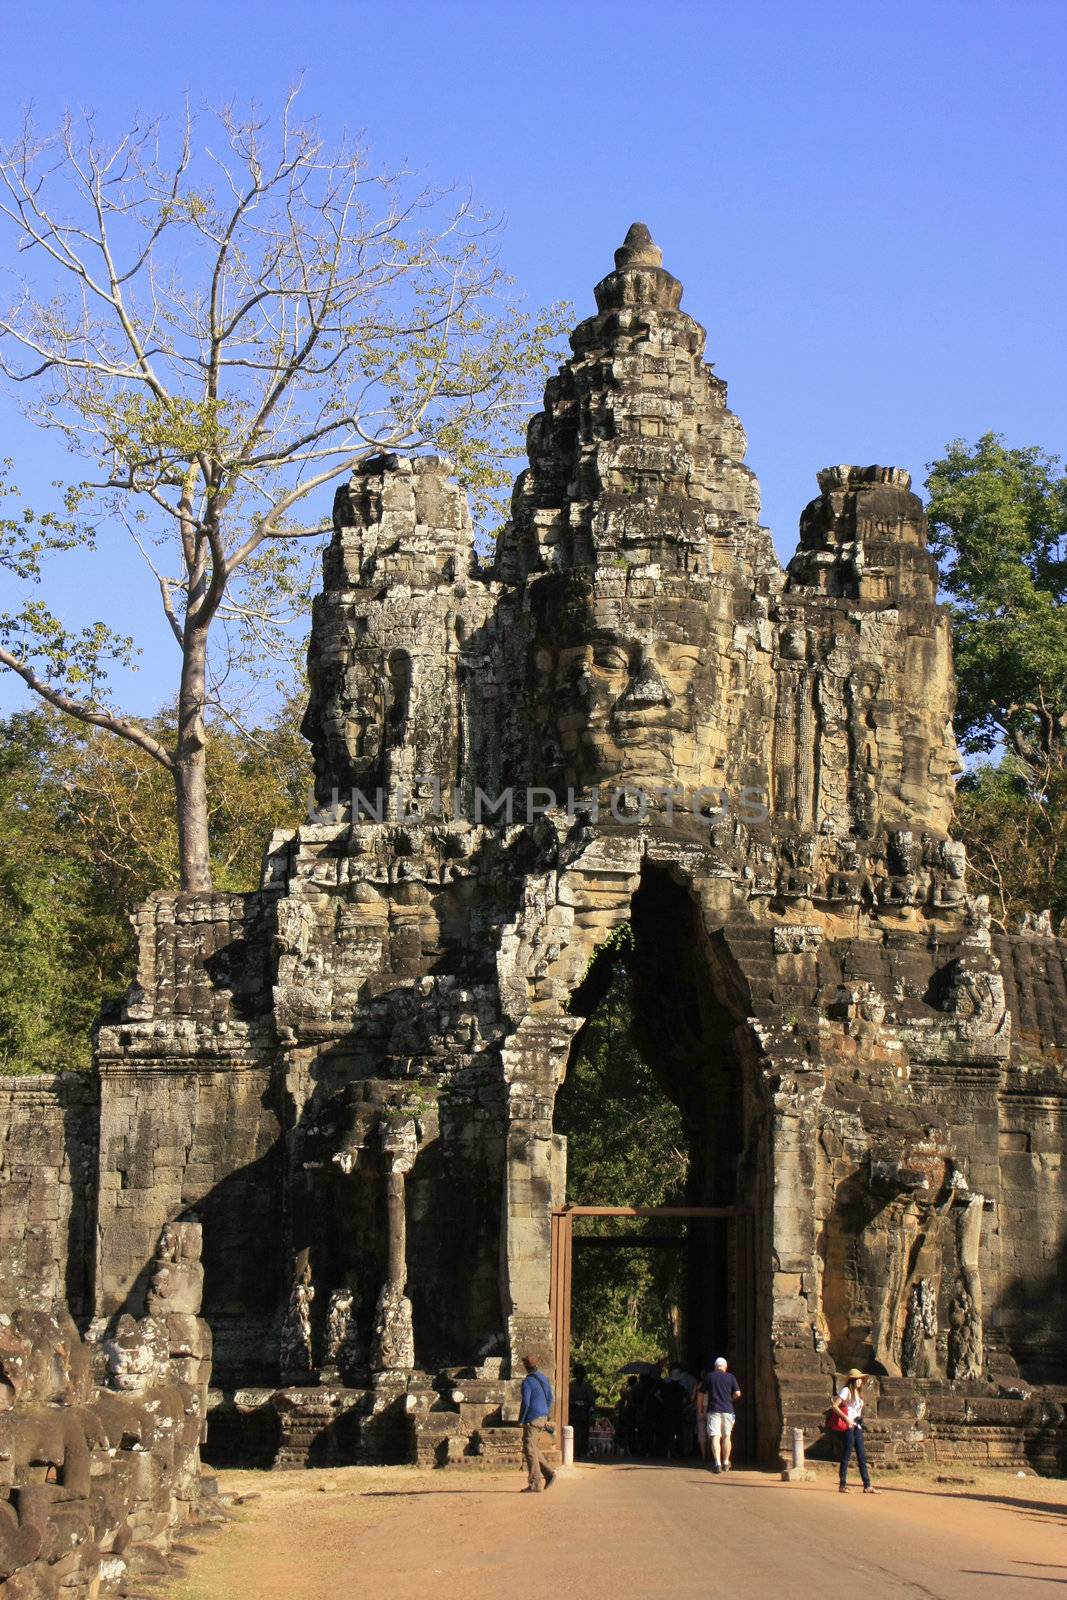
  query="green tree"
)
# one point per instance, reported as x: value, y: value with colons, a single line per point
x: 998, y: 526
x: 86, y: 834
x: 222, y: 332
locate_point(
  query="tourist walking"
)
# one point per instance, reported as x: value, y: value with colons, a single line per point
x: 721, y: 1391
x: 534, y: 1413
x: 849, y: 1406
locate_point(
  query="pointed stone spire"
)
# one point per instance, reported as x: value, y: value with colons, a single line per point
x: 636, y: 460
x: 639, y: 277
x: 638, y: 249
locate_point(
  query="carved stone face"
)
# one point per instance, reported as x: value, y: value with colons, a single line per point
x: 136, y: 1355
x: 181, y: 1242
x: 625, y: 689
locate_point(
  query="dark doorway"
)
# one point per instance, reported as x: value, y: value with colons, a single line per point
x: 664, y: 1121
x: 699, y: 1224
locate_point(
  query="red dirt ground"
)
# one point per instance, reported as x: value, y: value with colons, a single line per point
x: 632, y: 1531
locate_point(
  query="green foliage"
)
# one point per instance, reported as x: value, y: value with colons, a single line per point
x: 625, y: 1147
x: 998, y: 520
x: 61, y: 943
x: 87, y: 831
x: 1016, y: 839
x: 998, y: 526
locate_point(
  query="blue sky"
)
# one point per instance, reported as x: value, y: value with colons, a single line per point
x: 866, y: 202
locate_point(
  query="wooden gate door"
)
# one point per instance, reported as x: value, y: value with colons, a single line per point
x: 559, y: 1304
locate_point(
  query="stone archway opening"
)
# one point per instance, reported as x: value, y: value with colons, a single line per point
x: 680, y: 1134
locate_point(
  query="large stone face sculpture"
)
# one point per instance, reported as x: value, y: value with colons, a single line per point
x: 625, y: 685
x: 356, y: 1068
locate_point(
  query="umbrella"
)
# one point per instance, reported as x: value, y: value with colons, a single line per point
x: 634, y: 1367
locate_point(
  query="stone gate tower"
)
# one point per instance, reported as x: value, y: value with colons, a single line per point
x: 350, y: 1075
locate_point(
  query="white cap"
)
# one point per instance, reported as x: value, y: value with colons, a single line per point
x: 720, y: 1361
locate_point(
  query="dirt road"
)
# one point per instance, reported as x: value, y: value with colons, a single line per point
x: 629, y: 1532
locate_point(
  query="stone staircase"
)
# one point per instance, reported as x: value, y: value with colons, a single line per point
x: 910, y: 1421
x: 474, y: 1422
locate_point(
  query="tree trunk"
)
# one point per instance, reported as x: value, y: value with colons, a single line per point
x: 190, y: 772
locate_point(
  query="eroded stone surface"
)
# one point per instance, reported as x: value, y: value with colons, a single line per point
x: 97, y: 1476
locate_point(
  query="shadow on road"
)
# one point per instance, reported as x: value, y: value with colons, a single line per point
x: 1055, y: 1508
x: 983, y: 1572
x: 421, y: 1494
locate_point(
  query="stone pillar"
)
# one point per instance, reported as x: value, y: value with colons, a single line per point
x: 394, y: 1339
x: 791, y: 1361
x: 535, y: 1060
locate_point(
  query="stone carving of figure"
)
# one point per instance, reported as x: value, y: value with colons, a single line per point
x: 861, y: 1008
x: 178, y: 1281
x: 919, y: 1356
x: 45, y: 1446
x: 174, y: 1299
x: 394, y: 1339
x: 136, y: 1354
x: 926, y: 1238
x: 966, y: 1345
x: 342, y: 1335
x: 950, y: 869
x: 146, y: 1412
x: 971, y: 990
x: 101, y: 1477
x: 920, y: 1330
x: 979, y: 921
x: 296, y: 1348
x: 900, y: 1254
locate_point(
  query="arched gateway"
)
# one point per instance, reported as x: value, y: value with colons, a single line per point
x: 633, y: 714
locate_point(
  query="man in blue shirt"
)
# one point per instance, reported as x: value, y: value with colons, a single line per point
x: 721, y: 1388
x: 534, y: 1414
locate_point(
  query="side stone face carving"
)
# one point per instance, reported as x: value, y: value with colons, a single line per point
x: 391, y: 625
x: 863, y: 547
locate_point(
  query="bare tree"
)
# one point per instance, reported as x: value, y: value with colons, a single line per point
x: 222, y: 334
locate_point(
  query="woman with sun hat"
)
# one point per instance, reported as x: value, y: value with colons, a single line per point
x: 848, y: 1405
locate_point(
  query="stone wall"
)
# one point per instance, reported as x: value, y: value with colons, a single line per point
x: 48, y: 1144
x: 187, y: 1126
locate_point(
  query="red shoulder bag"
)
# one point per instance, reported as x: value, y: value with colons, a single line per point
x: 835, y: 1422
